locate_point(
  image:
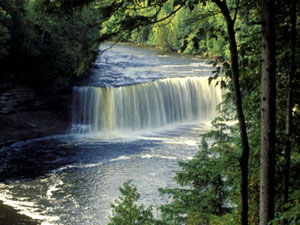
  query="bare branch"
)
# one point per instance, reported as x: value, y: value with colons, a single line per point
x: 236, y: 11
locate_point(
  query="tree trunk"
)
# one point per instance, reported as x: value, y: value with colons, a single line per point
x: 268, y: 113
x: 239, y: 109
x: 290, y: 102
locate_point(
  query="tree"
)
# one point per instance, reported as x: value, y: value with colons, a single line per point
x: 49, y: 48
x: 289, y: 116
x: 222, y: 5
x: 126, y: 211
x: 230, y: 22
x: 238, y: 103
x: 268, y: 113
x: 204, y: 184
x: 260, y: 131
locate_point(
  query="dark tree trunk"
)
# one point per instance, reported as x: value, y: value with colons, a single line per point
x: 239, y: 109
x: 268, y: 113
x: 290, y: 102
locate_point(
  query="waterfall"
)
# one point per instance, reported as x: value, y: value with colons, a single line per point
x: 144, y: 106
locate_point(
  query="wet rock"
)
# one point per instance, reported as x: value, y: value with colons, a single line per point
x: 27, y: 114
x: 16, y: 100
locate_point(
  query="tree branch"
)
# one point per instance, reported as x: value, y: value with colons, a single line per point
x: 236, y: 11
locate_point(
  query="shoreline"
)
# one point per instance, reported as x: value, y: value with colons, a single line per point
x: 163, y: 51
x: 27, y: 119
x: 24, y: 126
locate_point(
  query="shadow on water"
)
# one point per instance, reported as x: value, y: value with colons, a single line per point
x: 36, y: 158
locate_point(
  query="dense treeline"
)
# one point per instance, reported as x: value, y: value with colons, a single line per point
x: 228, y: 179
x: 200, y: 31
x: 44, y: 48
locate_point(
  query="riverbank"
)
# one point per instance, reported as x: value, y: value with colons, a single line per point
x: 22, y: 126
x: 203, y: 55
x: 26, y: 114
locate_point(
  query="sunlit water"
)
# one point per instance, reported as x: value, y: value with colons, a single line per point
x: 73, y: 178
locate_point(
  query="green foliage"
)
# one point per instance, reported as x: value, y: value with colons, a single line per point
x: 182, y: 31
x: 291, y: 214
x: 209, y: 183
x: 125, y: 210
x: 46, y: 43
x: 46, y: 48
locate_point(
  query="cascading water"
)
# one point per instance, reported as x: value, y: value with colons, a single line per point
x: 144, y: 106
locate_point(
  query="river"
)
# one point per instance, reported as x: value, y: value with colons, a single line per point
x: 135, y: 117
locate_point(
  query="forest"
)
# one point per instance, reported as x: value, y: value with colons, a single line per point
x: 246, y: 169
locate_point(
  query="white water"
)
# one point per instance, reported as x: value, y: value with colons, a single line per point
x: 144, y: 106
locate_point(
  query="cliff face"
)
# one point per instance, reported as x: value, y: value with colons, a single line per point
x: 26, y: 113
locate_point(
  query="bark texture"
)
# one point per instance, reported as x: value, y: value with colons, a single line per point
x: 268, y: 113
